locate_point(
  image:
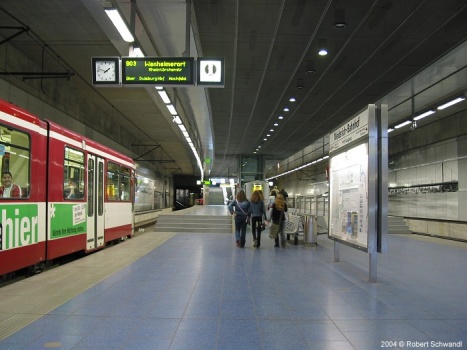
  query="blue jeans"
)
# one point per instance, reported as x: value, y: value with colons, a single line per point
x: 240, y: 228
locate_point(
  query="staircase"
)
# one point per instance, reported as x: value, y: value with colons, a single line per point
x: 396, y: 224
x: 194, y: 223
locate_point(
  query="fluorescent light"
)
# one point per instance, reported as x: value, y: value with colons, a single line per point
x: 280, y: 117
x: 390, y: 130
x: 292, y: 99
x: 182, y: 127
x: 403, y: 124
x: 286, y: 109
x: 323, y: 52
x: 118, y: 22
x: 172, y: 109
x: 177, y: 120
x: 453, y: 102
x: 137, y: 52
x: 164, y: 96
x: 423, y: 115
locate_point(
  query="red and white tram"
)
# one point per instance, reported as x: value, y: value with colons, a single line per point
x: 61, y: 192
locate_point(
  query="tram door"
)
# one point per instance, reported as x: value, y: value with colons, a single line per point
x: 95, y: 202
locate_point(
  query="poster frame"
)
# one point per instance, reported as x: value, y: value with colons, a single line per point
x: 346, y: 137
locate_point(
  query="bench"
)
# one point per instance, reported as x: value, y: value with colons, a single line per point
x: 292, y: 227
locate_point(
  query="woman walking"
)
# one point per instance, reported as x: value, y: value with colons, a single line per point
x: 278, y: 210
x: 240, y: 208
x: 258, y: 216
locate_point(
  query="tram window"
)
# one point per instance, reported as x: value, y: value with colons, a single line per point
x: 118, y: 182
x: 125, y: 184
x: 73, y: 186
x: 90, y: 187
x: 100, y: 189
x: 15, y: 150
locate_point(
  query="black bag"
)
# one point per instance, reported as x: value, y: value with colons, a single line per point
x: 263, y: 226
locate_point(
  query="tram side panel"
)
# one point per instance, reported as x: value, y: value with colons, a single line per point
x: 22, y: 208
x: 67, y: 206
x: 119, y: 198
x: 91, y: 193
x: 71, y: 194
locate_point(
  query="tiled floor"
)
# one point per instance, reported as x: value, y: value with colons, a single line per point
x: 198, y: 291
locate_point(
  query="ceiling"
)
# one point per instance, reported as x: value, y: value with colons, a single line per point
x: 270, y: 49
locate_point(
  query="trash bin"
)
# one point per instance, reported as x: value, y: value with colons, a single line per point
x: 311, y: 229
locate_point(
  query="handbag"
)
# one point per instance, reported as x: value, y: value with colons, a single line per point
x: 274, y: 230
x: 263, y: 226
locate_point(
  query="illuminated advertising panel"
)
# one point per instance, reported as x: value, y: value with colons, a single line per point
x: 352, y: 182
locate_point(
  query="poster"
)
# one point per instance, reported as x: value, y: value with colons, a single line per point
x: 349, y: 196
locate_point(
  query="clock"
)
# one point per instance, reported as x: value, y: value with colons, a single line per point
x: 105, y: 70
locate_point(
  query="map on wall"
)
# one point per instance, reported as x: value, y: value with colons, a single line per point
x: 349, y: 196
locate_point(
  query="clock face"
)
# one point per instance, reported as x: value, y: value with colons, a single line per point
x: 106, y: 71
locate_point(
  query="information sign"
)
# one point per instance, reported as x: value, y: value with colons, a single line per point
x: 352, y: 182
x: 349, y: 196
x: 351, y: 131
x: 157, y: 70
x: 210, y: 72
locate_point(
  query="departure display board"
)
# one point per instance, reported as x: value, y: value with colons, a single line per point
x: 157, y: 70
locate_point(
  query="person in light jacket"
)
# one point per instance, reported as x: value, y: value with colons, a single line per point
x: 240, y: 208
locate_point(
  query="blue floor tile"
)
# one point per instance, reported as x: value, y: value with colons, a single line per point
x: 198, y: 291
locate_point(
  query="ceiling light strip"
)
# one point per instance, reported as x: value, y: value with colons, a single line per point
x: 298, y: 168
x: 453, y: 102
x: 120, y: 24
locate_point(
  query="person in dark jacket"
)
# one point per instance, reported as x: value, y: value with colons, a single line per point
x: 258, y: 216
x: 278, y: 210
x: 284, y: 194
x: 240, y: 208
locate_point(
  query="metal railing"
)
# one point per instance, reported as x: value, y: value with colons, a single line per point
x: 313, y: 205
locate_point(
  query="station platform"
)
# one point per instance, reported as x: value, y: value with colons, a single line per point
x: 182, y: 290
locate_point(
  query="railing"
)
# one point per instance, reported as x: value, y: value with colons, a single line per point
x: 313, y: 205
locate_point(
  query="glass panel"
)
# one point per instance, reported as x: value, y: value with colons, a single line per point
x: 90, y: 187
x: 118, y: 182
x: 100, y: 189
x: 125, y: 184
x: 15, y: 161
x: 112, y: 181
x: 73, y: 187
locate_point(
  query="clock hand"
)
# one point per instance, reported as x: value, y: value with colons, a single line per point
x: 107, y: 70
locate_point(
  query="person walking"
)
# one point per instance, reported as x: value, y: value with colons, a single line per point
x: 278, y: 210
x: 258, y: 216
x: 272, y: 198
x: 240, y: 208
x: 284, y: 194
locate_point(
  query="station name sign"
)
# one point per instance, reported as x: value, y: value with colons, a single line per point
x: 349, y: 132
x: 157, y: 71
